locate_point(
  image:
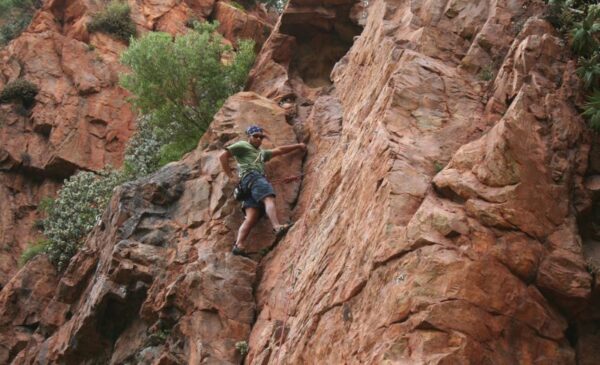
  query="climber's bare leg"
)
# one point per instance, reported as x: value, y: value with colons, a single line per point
x: 252, y: 215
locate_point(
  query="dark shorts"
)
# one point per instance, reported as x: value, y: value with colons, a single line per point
x: 259, y: 188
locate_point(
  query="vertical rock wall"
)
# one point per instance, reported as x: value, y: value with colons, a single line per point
x: 436, y: 220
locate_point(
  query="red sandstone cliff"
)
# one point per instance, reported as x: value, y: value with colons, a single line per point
x: 441, y: 219
x: 81, y: 119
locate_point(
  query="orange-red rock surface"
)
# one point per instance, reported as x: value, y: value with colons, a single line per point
x: 443, y: 217
x: 155, y: 282
x: 81, y: 119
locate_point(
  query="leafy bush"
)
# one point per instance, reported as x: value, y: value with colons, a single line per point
x: 559, y: 15
x: 75, y: 211
x: 180, y: 84
x: 14, y: 28
x: 581, y: 20
x: 585, y: 32
x: 592, y: 110
x: 142, y: 156
x: 589, y: 71
x: 83, y: 198
x: 19, y: 90
x: 114, y: 20
x: 37, y: 248
x: 15, y: 16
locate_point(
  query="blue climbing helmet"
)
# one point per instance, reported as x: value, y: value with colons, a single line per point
x: 254, y: 129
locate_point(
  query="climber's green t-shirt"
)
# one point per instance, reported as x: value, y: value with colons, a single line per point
x: 249, y: 158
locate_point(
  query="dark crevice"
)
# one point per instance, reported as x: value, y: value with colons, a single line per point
x: 323, y: 36
x: 571, y: 334
x: 118, y: 314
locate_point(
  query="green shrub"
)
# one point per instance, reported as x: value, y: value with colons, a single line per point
x: 589, y: 71
x: 14, y: 28
x: 75, y: 211
x: 559, y: 15
x: 82, y: 199
x: 142, y: 156
x: 114, y: 20
x: 585, y: 32
x: 563, y: 14
x: 180, y: 84
x: 37, y: 248
x: 19, y: 90
x: 592, y: 110
x: 15, y: 16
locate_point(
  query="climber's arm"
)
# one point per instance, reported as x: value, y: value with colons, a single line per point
x: 224, y: 159
x: 282, y: 150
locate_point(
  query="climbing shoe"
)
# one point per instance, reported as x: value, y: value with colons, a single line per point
x: 282, y: 230
x: 239, y: 252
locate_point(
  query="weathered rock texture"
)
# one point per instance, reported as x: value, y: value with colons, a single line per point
x: 81, y: 119
x: 441, y: 219
x: 437, y: 222
x: 156, y: 282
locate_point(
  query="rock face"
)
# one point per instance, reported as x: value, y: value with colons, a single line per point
x: 155, y: 282
x: 437, y: 222
x: 445, y: 213
x: 81, y: 119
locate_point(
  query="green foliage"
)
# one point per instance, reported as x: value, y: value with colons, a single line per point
x: 15, y: 16
x: 180, y: 84
x: 592, y: 110
x: 114, y: 20
x: 19, y: 90
x: 37, y: 248
x: 75, y: 211
x: 236, y: 5
x: 45, y: 205
x: 559, y: 15
x: 242, y: 347
x: 83, y: 198
x: 8, y: 5
x: 563, y: 14
x: 581, y: 20
x: 438, y: 166
x: 585, y: 32
x: 142, y: 156
x: 589, y: 71
x: 14, y: 28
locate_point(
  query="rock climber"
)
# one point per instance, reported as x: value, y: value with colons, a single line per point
x: 260, y: 196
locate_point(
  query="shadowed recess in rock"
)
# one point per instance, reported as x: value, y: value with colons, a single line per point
x: 323, y: 36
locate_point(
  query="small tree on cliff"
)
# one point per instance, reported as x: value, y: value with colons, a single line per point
x: 180, y: 84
